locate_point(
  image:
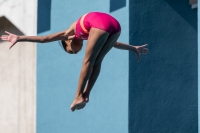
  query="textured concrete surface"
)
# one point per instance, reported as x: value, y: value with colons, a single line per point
x: 17, y: 88
x: 17, y: 69
x: 21, y: 13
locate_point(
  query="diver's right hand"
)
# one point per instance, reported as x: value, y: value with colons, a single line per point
x: 12, y: 38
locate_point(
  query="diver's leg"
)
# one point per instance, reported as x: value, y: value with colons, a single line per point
x: 96, y: 40
x: 97, y: 66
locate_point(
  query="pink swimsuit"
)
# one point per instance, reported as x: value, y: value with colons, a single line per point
x: 98, y: 20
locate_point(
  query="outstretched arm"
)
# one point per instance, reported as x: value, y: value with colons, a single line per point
x: 43, y: 39
x: 63, y: 35
x: 138, y: 50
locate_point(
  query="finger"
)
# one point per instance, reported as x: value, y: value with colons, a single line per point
x: 139, y: 59
x: 4, y: 35
x: 146, y: 50
x: 4, y: 38
x: 145, y: 45
x: 11, y: 46
x: 138, y: 56
x: 8, y: 32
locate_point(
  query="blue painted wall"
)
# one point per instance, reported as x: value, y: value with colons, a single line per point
x: 163, y: 86
x: 58, y: 72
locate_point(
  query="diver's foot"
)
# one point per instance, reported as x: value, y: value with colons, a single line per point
x: 78, y: 103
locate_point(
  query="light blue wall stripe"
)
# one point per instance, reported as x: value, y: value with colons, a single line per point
x: 58, y: 72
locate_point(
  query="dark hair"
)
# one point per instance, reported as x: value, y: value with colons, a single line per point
x: 63, y: 45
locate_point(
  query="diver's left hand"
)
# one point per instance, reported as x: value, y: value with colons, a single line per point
x: 141, y: 50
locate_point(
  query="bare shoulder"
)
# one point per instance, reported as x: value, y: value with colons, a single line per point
x: 71, y: 30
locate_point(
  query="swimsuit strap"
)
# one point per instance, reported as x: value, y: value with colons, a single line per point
x: 82, y: 25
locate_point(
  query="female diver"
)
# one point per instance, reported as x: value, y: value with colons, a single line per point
x: 102, y: 31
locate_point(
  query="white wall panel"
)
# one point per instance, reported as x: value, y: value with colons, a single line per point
x: 18, y: 68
